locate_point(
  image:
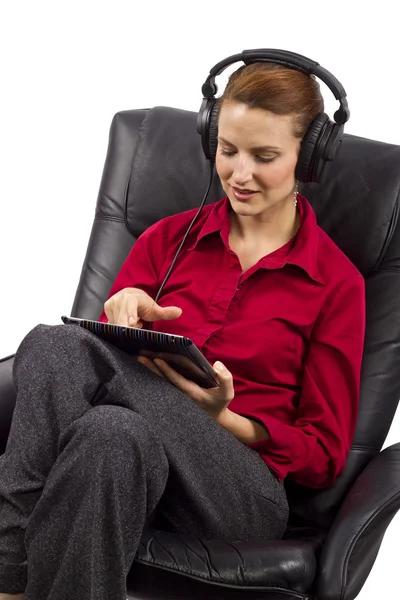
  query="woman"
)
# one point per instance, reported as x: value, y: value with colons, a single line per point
x: 101, y: 443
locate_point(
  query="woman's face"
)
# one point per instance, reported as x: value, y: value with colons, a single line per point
x: 257, y: 153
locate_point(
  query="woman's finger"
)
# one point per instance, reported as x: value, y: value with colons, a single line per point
x: 147, y: 362
x: 225, y: 381
x: 185, y: 385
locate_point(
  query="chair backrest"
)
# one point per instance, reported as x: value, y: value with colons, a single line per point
x: 155, y: 167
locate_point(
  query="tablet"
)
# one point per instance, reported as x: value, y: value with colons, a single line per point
x: 178, y: 351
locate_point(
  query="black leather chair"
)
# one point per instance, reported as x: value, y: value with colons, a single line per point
x: 154, y: 168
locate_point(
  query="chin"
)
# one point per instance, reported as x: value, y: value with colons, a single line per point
x: 244, y: 205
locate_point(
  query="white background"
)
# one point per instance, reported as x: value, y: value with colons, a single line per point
x: 68, y: 67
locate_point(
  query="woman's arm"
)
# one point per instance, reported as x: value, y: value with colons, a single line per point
x: 246, y: 430
x: 313, y: 450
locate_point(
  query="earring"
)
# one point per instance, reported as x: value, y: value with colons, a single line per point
x: 296, y: 191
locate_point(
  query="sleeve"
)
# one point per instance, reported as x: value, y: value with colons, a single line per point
x: 143, y: 264
x: 314, y: 449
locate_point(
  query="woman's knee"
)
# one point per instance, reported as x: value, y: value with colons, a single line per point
x: 109, y: 423
x: 115, y: 431
x: 43, y: 339
x: 50, y: 347
x: 50, y: 337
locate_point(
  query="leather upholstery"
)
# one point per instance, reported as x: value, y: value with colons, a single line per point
x: 155, y: 167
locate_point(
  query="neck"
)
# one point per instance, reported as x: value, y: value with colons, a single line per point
x: 281, y: 225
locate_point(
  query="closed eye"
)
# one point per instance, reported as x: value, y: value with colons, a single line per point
x: 259, y: 158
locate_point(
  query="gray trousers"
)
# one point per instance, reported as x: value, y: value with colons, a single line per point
x: 99, y: 446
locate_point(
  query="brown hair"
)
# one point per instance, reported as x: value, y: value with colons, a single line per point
x: 278, y: 89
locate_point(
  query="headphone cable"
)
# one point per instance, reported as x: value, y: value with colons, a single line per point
x: 187, y: 233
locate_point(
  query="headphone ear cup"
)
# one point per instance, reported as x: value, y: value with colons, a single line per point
x: 213, y: 132
x: 305, y: 168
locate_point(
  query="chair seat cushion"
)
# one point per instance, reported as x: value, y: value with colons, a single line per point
x: 287, y: 564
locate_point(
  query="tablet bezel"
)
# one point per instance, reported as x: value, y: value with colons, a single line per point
x: 153, y: 342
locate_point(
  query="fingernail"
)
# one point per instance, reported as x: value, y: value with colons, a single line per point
x: 219, y: 366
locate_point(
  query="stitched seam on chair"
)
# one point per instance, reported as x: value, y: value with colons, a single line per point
x: 109, y: 218
x: 360, y: 533
x: 128, y: 182
x: 272, y: 586
x: 393, y: 222
x: 364, y: 448
x: 389, y: 269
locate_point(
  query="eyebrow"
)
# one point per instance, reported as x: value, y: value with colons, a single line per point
x: 257, y: 148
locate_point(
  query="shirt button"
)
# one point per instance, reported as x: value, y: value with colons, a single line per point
x: 239, y: 286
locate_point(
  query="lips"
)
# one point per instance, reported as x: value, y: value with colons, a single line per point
x: 243, y: 194
x: 244, y: 191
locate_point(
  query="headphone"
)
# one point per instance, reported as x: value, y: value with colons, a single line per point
x: 323, y: 138
x: 320, y: 143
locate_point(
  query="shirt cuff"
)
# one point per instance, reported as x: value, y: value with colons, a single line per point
x: 283, y: 448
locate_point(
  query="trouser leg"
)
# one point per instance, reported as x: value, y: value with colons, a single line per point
x: 82, y: 536
x: 61, y: 373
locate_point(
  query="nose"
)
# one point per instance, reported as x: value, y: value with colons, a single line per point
x: 242, y: 171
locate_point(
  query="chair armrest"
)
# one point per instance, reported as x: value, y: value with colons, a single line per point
x: 7, y: 399
x: 352, y: 544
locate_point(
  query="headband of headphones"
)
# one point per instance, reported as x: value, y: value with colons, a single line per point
x: 324, y: 137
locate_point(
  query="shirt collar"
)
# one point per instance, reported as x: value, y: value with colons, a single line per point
x: 301, y: 250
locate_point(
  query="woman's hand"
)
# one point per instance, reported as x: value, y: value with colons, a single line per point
x: 131, y: 306
x: 213, y: 400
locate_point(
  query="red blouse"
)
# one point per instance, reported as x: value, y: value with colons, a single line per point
x: 290, y: 329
